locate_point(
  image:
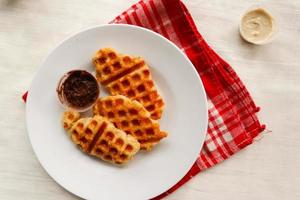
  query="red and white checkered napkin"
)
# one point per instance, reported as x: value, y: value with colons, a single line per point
x: 232, y: 120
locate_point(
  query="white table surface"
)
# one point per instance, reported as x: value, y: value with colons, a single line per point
x: 268, y: 169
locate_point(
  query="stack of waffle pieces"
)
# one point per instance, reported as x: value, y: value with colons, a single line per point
x: 124, y: 122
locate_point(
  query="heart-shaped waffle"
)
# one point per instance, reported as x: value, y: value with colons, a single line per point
x: 129, y: 76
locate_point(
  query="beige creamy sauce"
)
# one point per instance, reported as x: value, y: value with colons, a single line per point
x: 257, y: 26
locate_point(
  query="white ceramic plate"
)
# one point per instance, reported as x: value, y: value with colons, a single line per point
x: 149, y: 174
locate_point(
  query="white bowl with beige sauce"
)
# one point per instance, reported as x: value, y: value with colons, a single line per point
x: 257, y: 26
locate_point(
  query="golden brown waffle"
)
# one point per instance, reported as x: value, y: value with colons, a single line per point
x: 99, y: 137
x: 129, y: 76
x: 130, y: 116
x: 69, y: 117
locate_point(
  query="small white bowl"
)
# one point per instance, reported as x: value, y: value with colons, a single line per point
x: 269, y: 37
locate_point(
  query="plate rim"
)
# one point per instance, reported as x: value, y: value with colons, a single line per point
x: 205, y: 103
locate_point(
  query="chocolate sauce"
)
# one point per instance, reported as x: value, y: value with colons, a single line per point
x: 80, y: 89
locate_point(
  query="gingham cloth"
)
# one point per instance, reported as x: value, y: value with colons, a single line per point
x: 232, y: 113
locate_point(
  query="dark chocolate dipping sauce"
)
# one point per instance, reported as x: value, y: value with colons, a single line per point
x: 78, y: 89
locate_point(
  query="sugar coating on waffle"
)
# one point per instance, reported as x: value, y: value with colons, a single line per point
x: 98, y: 137
x: 129, y: 76
x: 130, y: 116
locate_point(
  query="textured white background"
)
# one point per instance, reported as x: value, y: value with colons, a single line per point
x: 268, y: 169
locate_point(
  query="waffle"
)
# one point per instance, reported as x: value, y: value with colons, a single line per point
x: 69, y: 117
x: 130, y: 116
x: 129, y: 76
x: 100, y: 138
